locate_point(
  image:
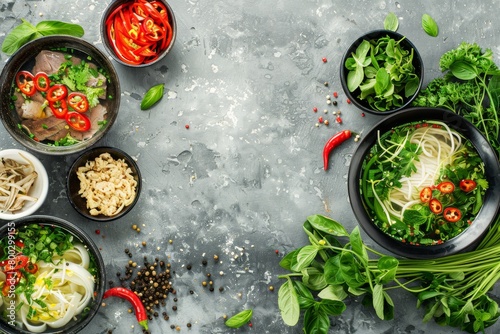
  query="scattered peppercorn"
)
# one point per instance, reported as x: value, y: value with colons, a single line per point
x: 315, y: 109
x: 97, y: 231
x: 187, y: 126
x: 348, y: 101
x: 324, y: 60
x: 188, y: 267
x: 216, y: 257
x: 271, y: 288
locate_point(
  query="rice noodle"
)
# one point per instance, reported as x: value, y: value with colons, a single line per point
x: 64, y: 287
x: 438, y: 146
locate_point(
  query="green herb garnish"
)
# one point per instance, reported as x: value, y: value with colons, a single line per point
x: 152, y: 96
x: 239, y: 319
x: 429, y: 25
x: 391, y: 22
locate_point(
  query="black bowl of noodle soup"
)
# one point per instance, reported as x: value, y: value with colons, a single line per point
x: 53, y: 276
x: 60, y: 95
x: 425, y: 183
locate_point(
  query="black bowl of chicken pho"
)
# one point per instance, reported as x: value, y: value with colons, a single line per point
x: 60, y: 95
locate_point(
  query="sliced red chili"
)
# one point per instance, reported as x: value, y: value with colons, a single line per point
x: 42, y: 82
x: 467, y: 185
x: 78, y: 102
x: 25, y: 82
x: 57, y: 92
x: 31, y: 268
x: 426, y: 194
x: 139, y: 30
x: 452, y: 214
x: 78, y: 121
x: 446, y: 187
x: 59, y: 108
x: 20, y: 261
x: 435, y: 206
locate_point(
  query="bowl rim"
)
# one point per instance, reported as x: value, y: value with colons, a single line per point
x: 92, y: 247
x: 110, y: 8
x: 72, y: 186
x: 471, y: 236
x: 25, y: 53
x: 42, y: 182
x: 343, y: 71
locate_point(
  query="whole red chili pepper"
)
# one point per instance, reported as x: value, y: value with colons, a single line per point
x: 132, y: 298
x: 333, y: 142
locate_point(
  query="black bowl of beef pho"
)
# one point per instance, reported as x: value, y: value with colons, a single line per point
x: 60, y: 95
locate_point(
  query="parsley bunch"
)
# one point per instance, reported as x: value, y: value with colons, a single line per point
x: 470, y: 87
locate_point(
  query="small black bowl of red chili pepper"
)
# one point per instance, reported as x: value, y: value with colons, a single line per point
x: 60, y: 95
x: 425, y: 183
x: 138, y: 33
x: 381, y: 72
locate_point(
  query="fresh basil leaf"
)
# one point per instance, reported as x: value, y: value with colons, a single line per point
x: 238, y: 320
x: 288, y: 303
x: 327, y: 225
x: 391, y: 22
x: 18, y: 36
x: 305, y: 257
x: 463, y: 70
x: 152, y: 96
x: 429, y: 25
x: 57, y: 27
x: 332, y: 307
x: 316, y: 321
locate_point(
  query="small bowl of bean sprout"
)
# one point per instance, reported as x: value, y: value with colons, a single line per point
x: 24, y: 184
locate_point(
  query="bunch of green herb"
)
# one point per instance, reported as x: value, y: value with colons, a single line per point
x: 470, y: 87
x: 383, y: 72
x: 26, y: 32
x: 338, y: 265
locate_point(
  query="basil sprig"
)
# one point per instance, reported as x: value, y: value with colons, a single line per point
x: 26, y: 32
x: 429, y: 25
x: 152, y: 96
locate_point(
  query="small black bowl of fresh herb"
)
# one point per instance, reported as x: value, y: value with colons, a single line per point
x: 425, y: 183
x: 381, y: 72
x: 59, y: 95
x: 52, y: 276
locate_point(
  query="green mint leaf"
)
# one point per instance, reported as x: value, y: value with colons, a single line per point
x: 57, y: 27
x: 429, y: 25
x: 391, y: 22
x: 152, y: 96
x: 18, y: 36
x: 238, y: 320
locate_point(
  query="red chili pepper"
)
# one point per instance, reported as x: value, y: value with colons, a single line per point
x: 446, y: 187
x: 435, y: 206
x: 467, y: 185
x: 59, y: 108
x: 332, y: 143
x: 19, y: 243
x: 452, y: 214
x: 57, y: 92
x: 25, y: 82
x: 42, y: 82
x: 132, y: 298
x: 426, y: 194
x: 78, y: 121
x: 31, y: 268
x: 78, y: 102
